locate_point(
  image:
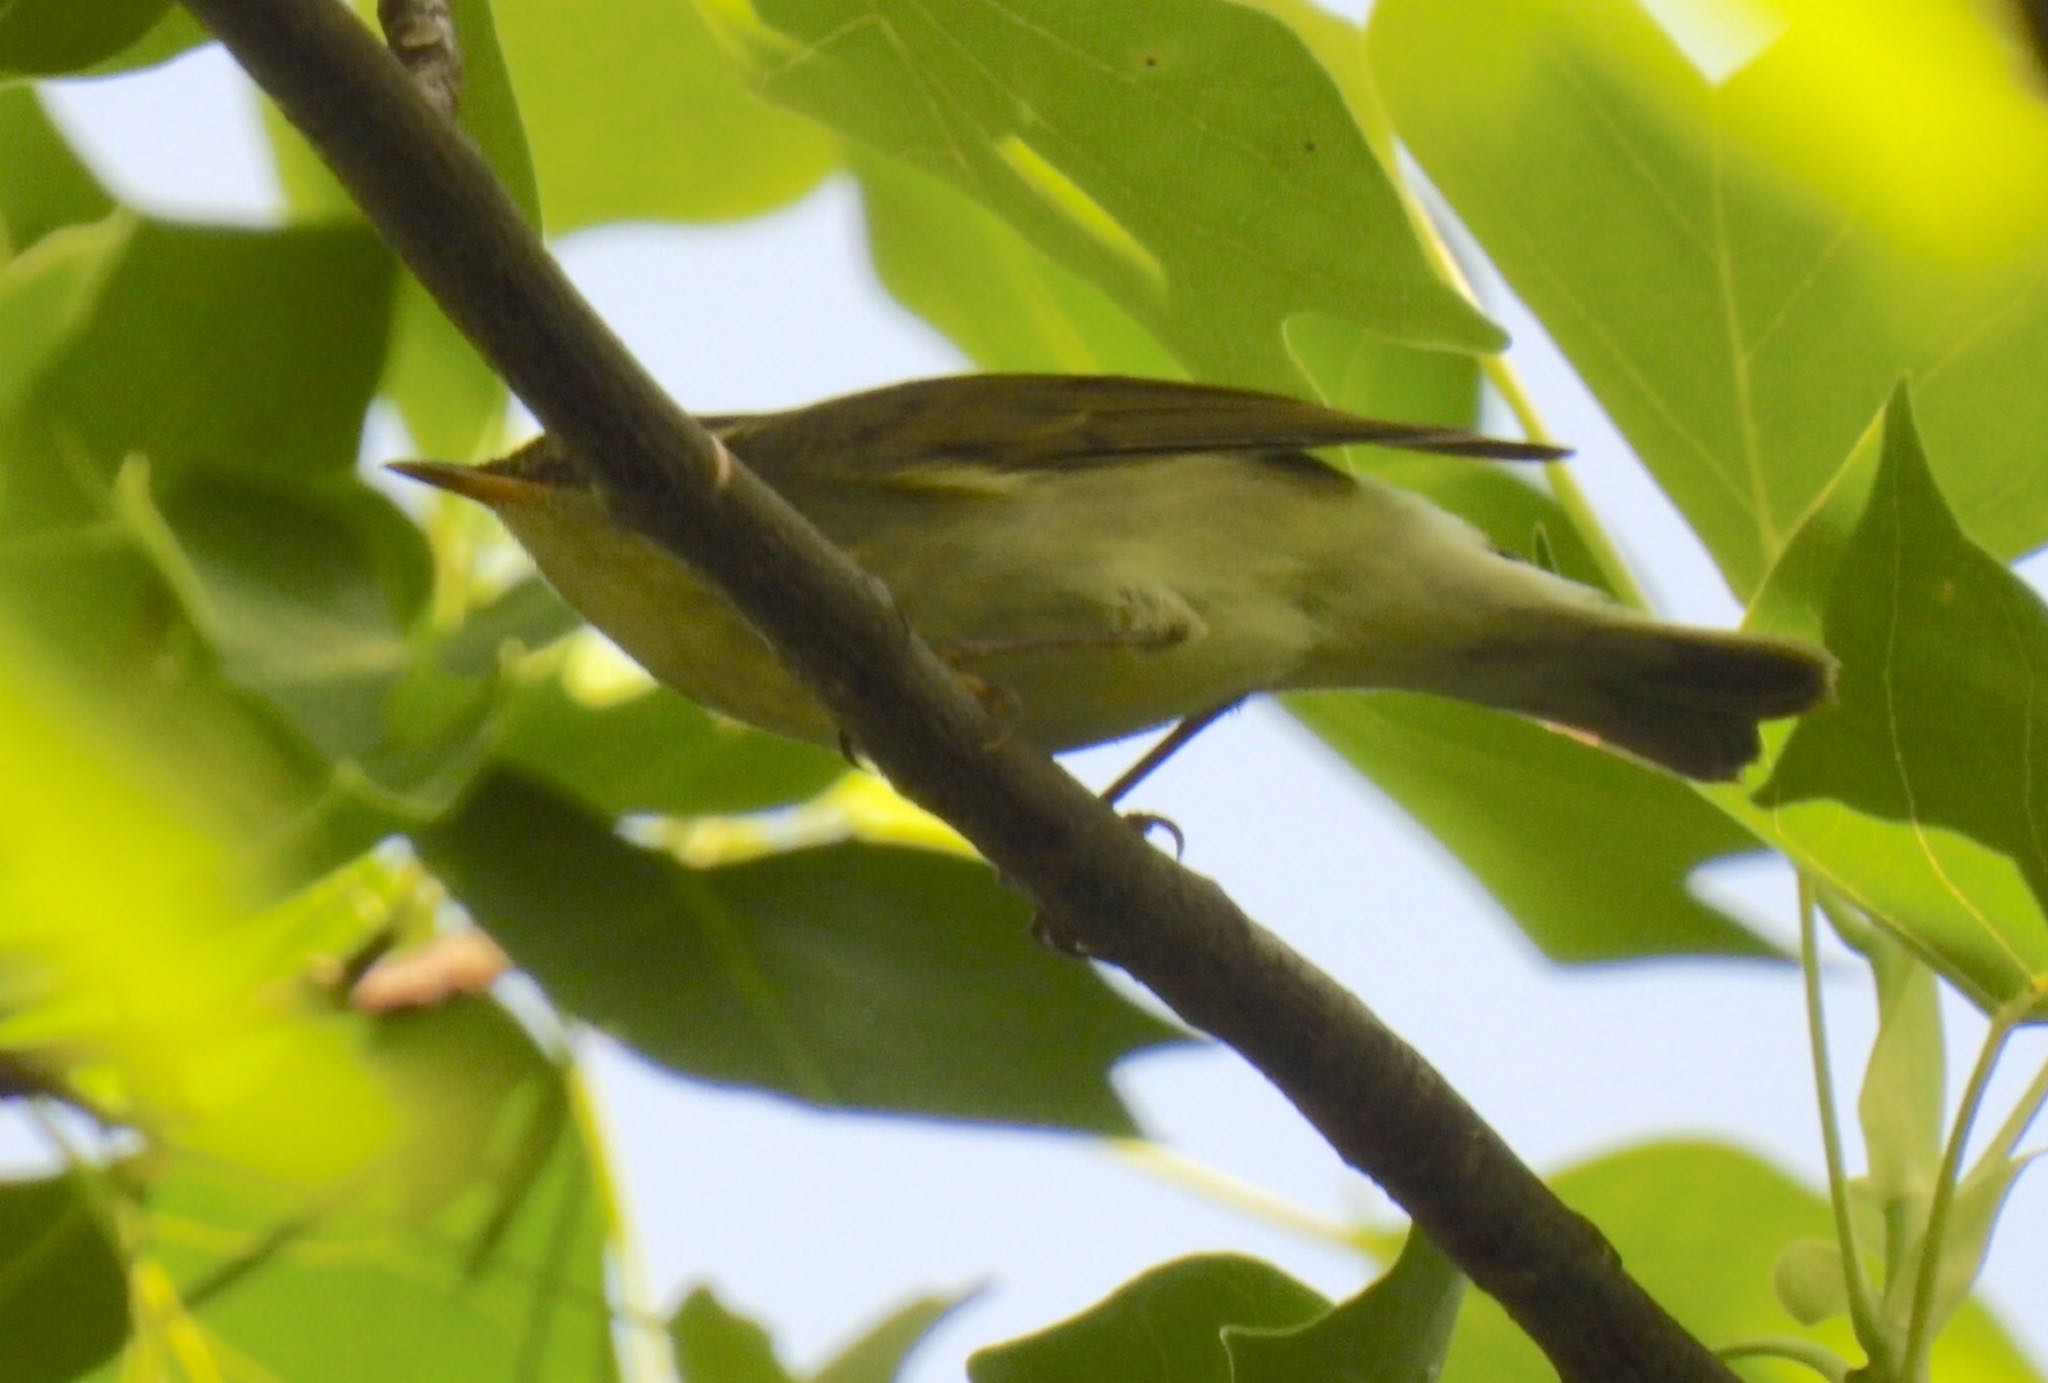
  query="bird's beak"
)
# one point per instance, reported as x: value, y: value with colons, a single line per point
x: 487, y: 486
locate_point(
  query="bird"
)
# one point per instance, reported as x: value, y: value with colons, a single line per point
x: 1113, y: 554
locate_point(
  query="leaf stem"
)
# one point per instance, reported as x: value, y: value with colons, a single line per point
x: 1817, y: 1357
x: 1919, y: 1332
x: 1862, y: 1304
x: 1234, y: 1192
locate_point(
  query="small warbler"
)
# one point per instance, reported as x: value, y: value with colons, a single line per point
x: 1114, y: 554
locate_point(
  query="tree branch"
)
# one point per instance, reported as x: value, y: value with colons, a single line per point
x: 1377, y: 1102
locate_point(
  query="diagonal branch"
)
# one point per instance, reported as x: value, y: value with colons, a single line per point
x: 1378, y: 1103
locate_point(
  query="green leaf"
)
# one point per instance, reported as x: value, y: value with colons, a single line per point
x: 716, y: 1345
x: 1588, y: 852
x: 56, y: 1253
x: 640, y: 114
x: 175, y: 33
x: 305, y: 594
x: 44, y: 186
x: 1188, y: 157
x: 1168, y: 1326
x: 525, y: 616
x: 1973, y: 1217
x: 48, y: 38
x: 851, y: 976
x: 998, y: 297
x: 73, y: 38
x: 657, y: 753
x: 1915, y: 795
x: 1772, y: 253
x: 46, y: 296
x: 1807, y: 1279
x: 1699, y: 1226
x: 475, y: 1249
x: 877, y: 1356
x: 1901, y: 1105
x: 200, y: 348
x: 1395, y: 1331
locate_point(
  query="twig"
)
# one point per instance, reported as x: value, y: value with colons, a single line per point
x: 422, y: 36
x: 1384, y: 1109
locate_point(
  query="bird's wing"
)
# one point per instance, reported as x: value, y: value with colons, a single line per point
x: 1034, y: 421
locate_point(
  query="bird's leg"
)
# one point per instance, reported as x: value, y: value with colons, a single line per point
x: 1169, y: 745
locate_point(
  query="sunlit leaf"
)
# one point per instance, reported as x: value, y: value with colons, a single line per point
x: 475, y: 1249
x: 1739, y: 317
x: 1188, y: 158
x: 637, y: 112
x: 999, y: 298
x: 1917, y: 794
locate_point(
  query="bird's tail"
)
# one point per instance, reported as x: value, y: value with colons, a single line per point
x: 1687, y: 699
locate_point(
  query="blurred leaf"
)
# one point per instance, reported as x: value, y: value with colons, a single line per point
x: 716, y: 1345
x: 877, y: 1356
x: 475, y: 1249
x: 1739, y: 315
x: 1700, y: 1226
x: 1901, y: 1105
x: 527, y: 615
x: 1588, y: 852
x: 56, y: 1254
x: 657, y: 753
x: 1916, y: 795
x: 1973, y: 1219
x: 175, y: 33
x: 305, y: 595
x: 199, y: 349
x: 47, y: 38
x: 998, y: 297
x: 637, y: 113
x: 1167, y: 1326
x: 154, y: 535
x: 1807, y: 1280
x: 46, y: 295
x: 44, y: 186
x: 852, y: 976
x: 142, y: 966
x: 1187, y: 157
x: 1395, y: 1331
